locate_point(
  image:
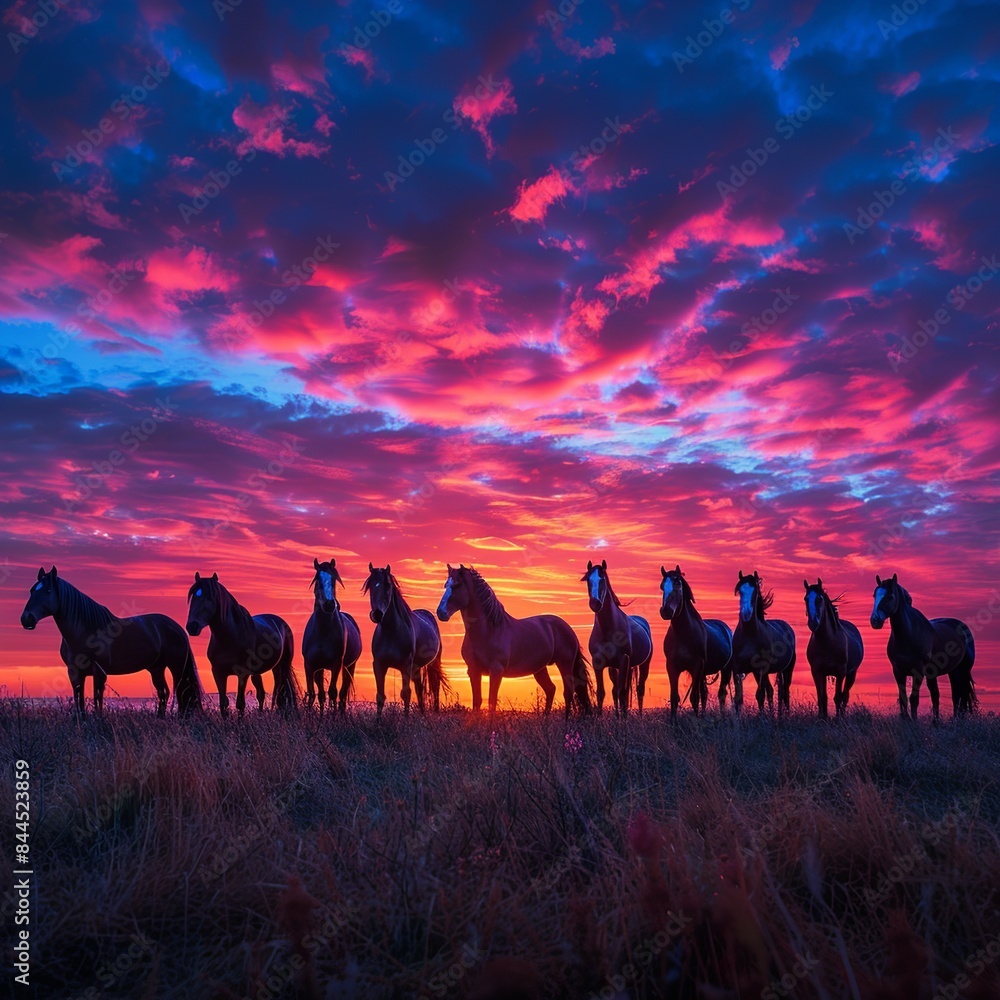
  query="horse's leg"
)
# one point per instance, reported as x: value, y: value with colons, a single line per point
x: 476, y: 680
x: 838, y: 695
x: 418, y: 686
x: 640, y: 684
x: 819, y: 679
x: 599, y: 679
x: 725, y: 675
x: 932, y: 686
x: 379, y: 688
x: 496, y: 676
x: 347, y: 677
x: 915, y: 694
x: 258, y: 683
x: 321, y: 688
x: 241, y: 693
x: 704, y: 694
x: 674, y: 676
x: 405, y: 687
x: 763, y: 687
x: 737, y: 692
x: 901, y: 687
x: 311, y: 686
x: 624, y: 686
x: 848, y: 684
x: 220, y: 678
x: 100, y: 679
x: 76, y: 679
x: 162, y: 691
x: 548, y: 686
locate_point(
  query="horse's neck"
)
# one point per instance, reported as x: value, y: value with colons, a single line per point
x: 398, y: 608
x: 236, y: 621
x: 327, y: 621
x: 474, y: 615
x: 609, y: 614
x: 907, y: 620
x: 688, y: 619
x: 830, y: 625
x: 72, y: 623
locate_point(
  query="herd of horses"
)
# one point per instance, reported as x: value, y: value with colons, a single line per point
x: 97, y: 644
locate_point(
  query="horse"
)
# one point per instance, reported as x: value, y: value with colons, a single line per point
x: 701, y: 646
x: 242, y: 644
x: 919, y: 647
x: 622, y: 643
x: 332, y: 639
x: 500, y: 645
x: 761, y: 647
x: 835, y: 648
x: 98, y: 644
x: 406, y: 640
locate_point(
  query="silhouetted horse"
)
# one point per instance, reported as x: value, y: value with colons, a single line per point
x: 500, y: 645
x: 701, y: 646
x: 331, y: 641
x: 835, y: 648
x: 405, y: 640
x: 242, y: 644
x: 622, y: 643
x: 761, y: 647
x: 920, y: 648
x: 98, y: 644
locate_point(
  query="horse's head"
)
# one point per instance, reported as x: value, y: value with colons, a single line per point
x: 457, y: 592
x: 379, y: 587
x: 888, y: 595
x: 43, y: 599
x: 815, y: 598
x: 324, y: 584
x: 672, y: 588
x: 748, y: 590
x: 596, y: 579
x: 203, y: 598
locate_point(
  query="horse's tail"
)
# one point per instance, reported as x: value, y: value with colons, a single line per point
x: 583, y: 683
x: 286, y: 686
x: 964, y: 687
x: 436, y: 675
x: 187, y: 686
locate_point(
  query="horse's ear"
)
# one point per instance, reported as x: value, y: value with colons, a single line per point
x: 333, y: 562
x: 604, y: 564
x: 756, y: 575
x: 41, y: 572
x: 878, y: 580
x: 449, y: 566
x: 663, y: 572
x: 805, y: 583
x: 54, y: 573
x: 388, y: 568
x: 677, y: 568
x: 215, y: 578
x: 819, y: 581
x: 741, y: 574
x: 315, y: 564
x: 371, y: 568
x: 894, y: 580
x: 590, y: 565
x: 337, y: 577
x: 197, y: 576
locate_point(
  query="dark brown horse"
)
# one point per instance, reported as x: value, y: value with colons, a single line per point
x: 622, y: 643
x: 920, y: 647
x: 332, y: 639
x: 761, y: 647
x: 98, y: 644
x: 405, y: 640
x: 835, y: 648
x: 242, y: 644
x: 499, y: 645
x: 701, y: 646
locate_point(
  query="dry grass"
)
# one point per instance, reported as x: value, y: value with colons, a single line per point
x: 347, y: 859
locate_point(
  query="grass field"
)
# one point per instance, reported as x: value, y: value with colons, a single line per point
x: 440, y: 857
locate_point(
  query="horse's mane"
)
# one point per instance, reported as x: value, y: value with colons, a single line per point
x: 905, y: 593
x: 494, y: 610
x: 86, y: 610
x: 834, y: 602
x: 397, y: 591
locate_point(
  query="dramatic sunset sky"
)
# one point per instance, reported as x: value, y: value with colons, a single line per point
x: 515, y: 285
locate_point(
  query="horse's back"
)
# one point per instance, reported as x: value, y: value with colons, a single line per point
x: 958, y: 628
x: 426, y: 635
x: 643, y: 626
x: 720, y: 643
x: 855, y: 645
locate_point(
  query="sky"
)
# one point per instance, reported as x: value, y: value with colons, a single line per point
x: 514, y: 285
